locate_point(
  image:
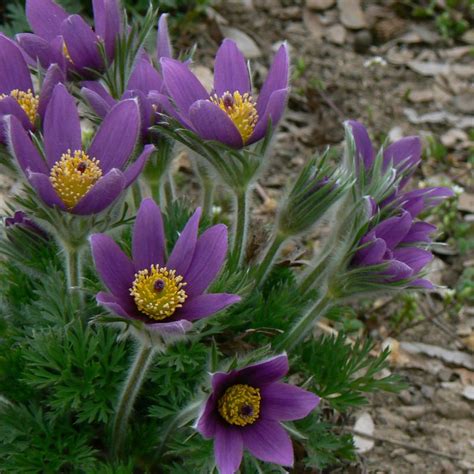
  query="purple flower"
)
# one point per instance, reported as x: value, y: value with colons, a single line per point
x: 166, y: 294
x: 245, y: 410
x: 67, y: 39
x: 395, y: 242
x: 72, y: 179
x: 17, y: 94
x: 144, y: 83
x: 229, y: 114
x: 421, y: 199
x: 404, y: 155
x: 20, y: 219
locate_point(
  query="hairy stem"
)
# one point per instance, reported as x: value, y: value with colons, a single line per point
x: 270, y: 255
x: 74, y: 272
x: 240, y: 233
x: 129, y: 393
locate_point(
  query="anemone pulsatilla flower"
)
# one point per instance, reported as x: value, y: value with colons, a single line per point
x: 245, y: 409
x: 145, y: 83
x: 165, y: 294
x: 229, y: 114
x: 67, y: 39
x: 17, y: 94
x: 79, y: 181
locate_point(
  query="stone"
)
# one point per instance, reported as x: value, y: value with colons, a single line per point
x: 351, y: 14
x: 414, y: 412
x: 427, y: 391
x: 464, y: 103
x: 406, y: 397
x: 362, y: 41
x: 320, y: 4
x: 413, y: 458
x: 313, y: 24
x: 336, y: 34
x: 454, y: 410
x: 468, y: 392
x: 468, y: 36
x: 244, y: 42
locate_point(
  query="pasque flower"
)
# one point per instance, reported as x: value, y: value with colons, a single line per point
x: 144, y: 83
x: 245, y: 409
x: 229, y: 113
x: 67, y: 39
x: 17, y: 94
x: 20, y: 219
x: 165, y: 294
x: 73, y: 179
x: 396, y: 242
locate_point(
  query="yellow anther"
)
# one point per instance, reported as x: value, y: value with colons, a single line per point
x: 27, y: 100
x: 158, y: 292
x: 66, y: 53
x: 240, y: 405
x: 73, y: 175
x: 241, y: 109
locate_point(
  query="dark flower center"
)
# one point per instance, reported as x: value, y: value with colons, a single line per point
x: 82, y: 166
x: 240, y: 405
x: 228, y: 100
x: 159, y: 285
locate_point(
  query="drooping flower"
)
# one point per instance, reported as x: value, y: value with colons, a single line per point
x: 396, y: 242
x: 79, y: 181
x: 165, y: 294
x: 230, y: 113
x: 17, y: 93
x: 67, y: 39
x: 20, y: 219
x: 144, y: 83
x: 245, y: 409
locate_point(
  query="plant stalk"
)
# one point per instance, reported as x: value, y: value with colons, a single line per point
x: 74, y: 272
x: 240, y: 234
x: 129, y: 393
x: 272, y: 251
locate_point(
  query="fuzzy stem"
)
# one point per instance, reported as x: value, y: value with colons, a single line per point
x: 304, y: 325
x: 272, y: 251
x: 74, y: 272
x: 240, y: 234
x: 129, y: 393
x: 168, y: 190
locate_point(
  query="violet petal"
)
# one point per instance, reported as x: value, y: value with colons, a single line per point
x: 163, y: 43
x: 205, y: 305
x: 54, y: 75
x: 263, y: 373
x: 42, y: 185
x: 228, y: 448
x: 45, y: 17
x: 132, y: 172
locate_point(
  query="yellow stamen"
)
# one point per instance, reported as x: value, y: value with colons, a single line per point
x: 66, y: 53
x: 27, y: 100
x: 73, y: 175
x: 158, y: 292
x: 240, y: 405
x: 241, y: 109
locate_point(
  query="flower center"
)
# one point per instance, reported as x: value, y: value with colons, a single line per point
x: 241, y: 109
x: 158, y: 292
x: 73, y: 175
x: 26, y: 100
x: 240, y: 405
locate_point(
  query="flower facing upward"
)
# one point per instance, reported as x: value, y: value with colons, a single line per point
x: 67, y: 39
x: 74, y: 180
x: 245, y: 410
x: 165, y: 294
x: 17, y: 94
x: 229, y: 114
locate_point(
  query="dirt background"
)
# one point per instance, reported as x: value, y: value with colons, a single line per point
x: 373, y: 62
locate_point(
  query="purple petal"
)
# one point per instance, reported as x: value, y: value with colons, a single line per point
x: 212, y: 123
x: 163, y: 43
x: 10, y: 106
x: 45, y: 18
x: 22, y: 147
x: 133, y: 171
x: 115, y: 304
x: 148, y: 246
x: 37, y: 48
x: 363, y: 146
x: 414, y: 206
x: 14, y: 70
x: 100, y: 90
x: 398, y: 270
x: 183, y: 251
x: 116, y: 138
x: 371, y: 254
x: 107, y: 22
x: 230, y: 70
x: 209, y: 256
x: 54, y: 76
x: 171, y: 330
x: 145, y: 77
x: 62, y: 128
x: 403, y: 154
x: 208, y: 419
x: 419, y: 232
x: 283, y: 402
x: 205, y: 305
x: 45, y: 190
x: 114, y: 268
x: 264, y: 373
x: 268, y: 441
x: 107, y: 189
x: 228, y: 448
x: 182, y: 85
x: 81, y: 43
x: 394, y: 229
x: 422, y: 283
x: 164, y: 104
x: 273, y: 112
x: 222, y: 380
x: 414, y: 257
x: 96, y: 102
x: 277, y: 78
